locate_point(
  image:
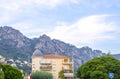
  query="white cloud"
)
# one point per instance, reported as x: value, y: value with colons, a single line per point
x: 15, y: 5
x: 9, y: 6
x: 86, y: 31
x: 15, y: 9
x: 52, y: 3
x: 29, y: 29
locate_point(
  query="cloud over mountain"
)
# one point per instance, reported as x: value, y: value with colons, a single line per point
x: 87, y: 30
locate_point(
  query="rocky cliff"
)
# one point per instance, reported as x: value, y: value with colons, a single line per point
x: 15, y: 45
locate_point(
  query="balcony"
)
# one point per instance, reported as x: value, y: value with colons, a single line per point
x: 45, y: 62
x: 67, y: 63
x: 46, y: 68
x: 67, y: 68
x: 68, y: 74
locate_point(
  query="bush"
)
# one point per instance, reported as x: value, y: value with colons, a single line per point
x: 61, y: 74
x: 41, y: 75
x: 1, y: 75
x: 11, y: 72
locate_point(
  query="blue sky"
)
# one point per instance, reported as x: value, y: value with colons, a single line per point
x: 93, y: 23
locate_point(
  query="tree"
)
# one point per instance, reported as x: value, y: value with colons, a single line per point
x: 61, y: 74
x: 11, y: 72
x: 41, y: 75
x: 1, y: 75
x: 99, y: 68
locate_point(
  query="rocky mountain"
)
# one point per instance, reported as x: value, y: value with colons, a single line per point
x: 80, y: 55
x: 14, y: 36
x: 15, y: 45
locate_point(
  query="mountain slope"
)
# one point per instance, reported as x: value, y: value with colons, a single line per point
x: 80, y: 55
x: 15, y: 45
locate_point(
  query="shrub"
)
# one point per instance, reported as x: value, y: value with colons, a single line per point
x: 41, y: 75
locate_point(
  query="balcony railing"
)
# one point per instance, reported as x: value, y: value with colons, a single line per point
x: 68, y: 74
x: 45, y: 62
x: 46, y: 68
x: 67, y: 68
x: 68, y: 63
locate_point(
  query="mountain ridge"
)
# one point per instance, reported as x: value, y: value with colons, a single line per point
x: 15, y: 45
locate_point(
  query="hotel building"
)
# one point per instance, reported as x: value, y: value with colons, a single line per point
x: 53, y: 63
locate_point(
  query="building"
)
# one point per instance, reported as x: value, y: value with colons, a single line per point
x: 2, y: 59
x: 53, y: 63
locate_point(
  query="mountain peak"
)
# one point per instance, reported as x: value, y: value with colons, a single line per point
x: 45, y: 37
x: 13, y: 36
x: 8, y: 29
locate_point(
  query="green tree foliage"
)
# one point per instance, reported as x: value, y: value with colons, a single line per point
x: 61, y: 74
x: 41, y: 75
x: 99, y: 68
x: 1, y: 75
x: 11, y: 72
